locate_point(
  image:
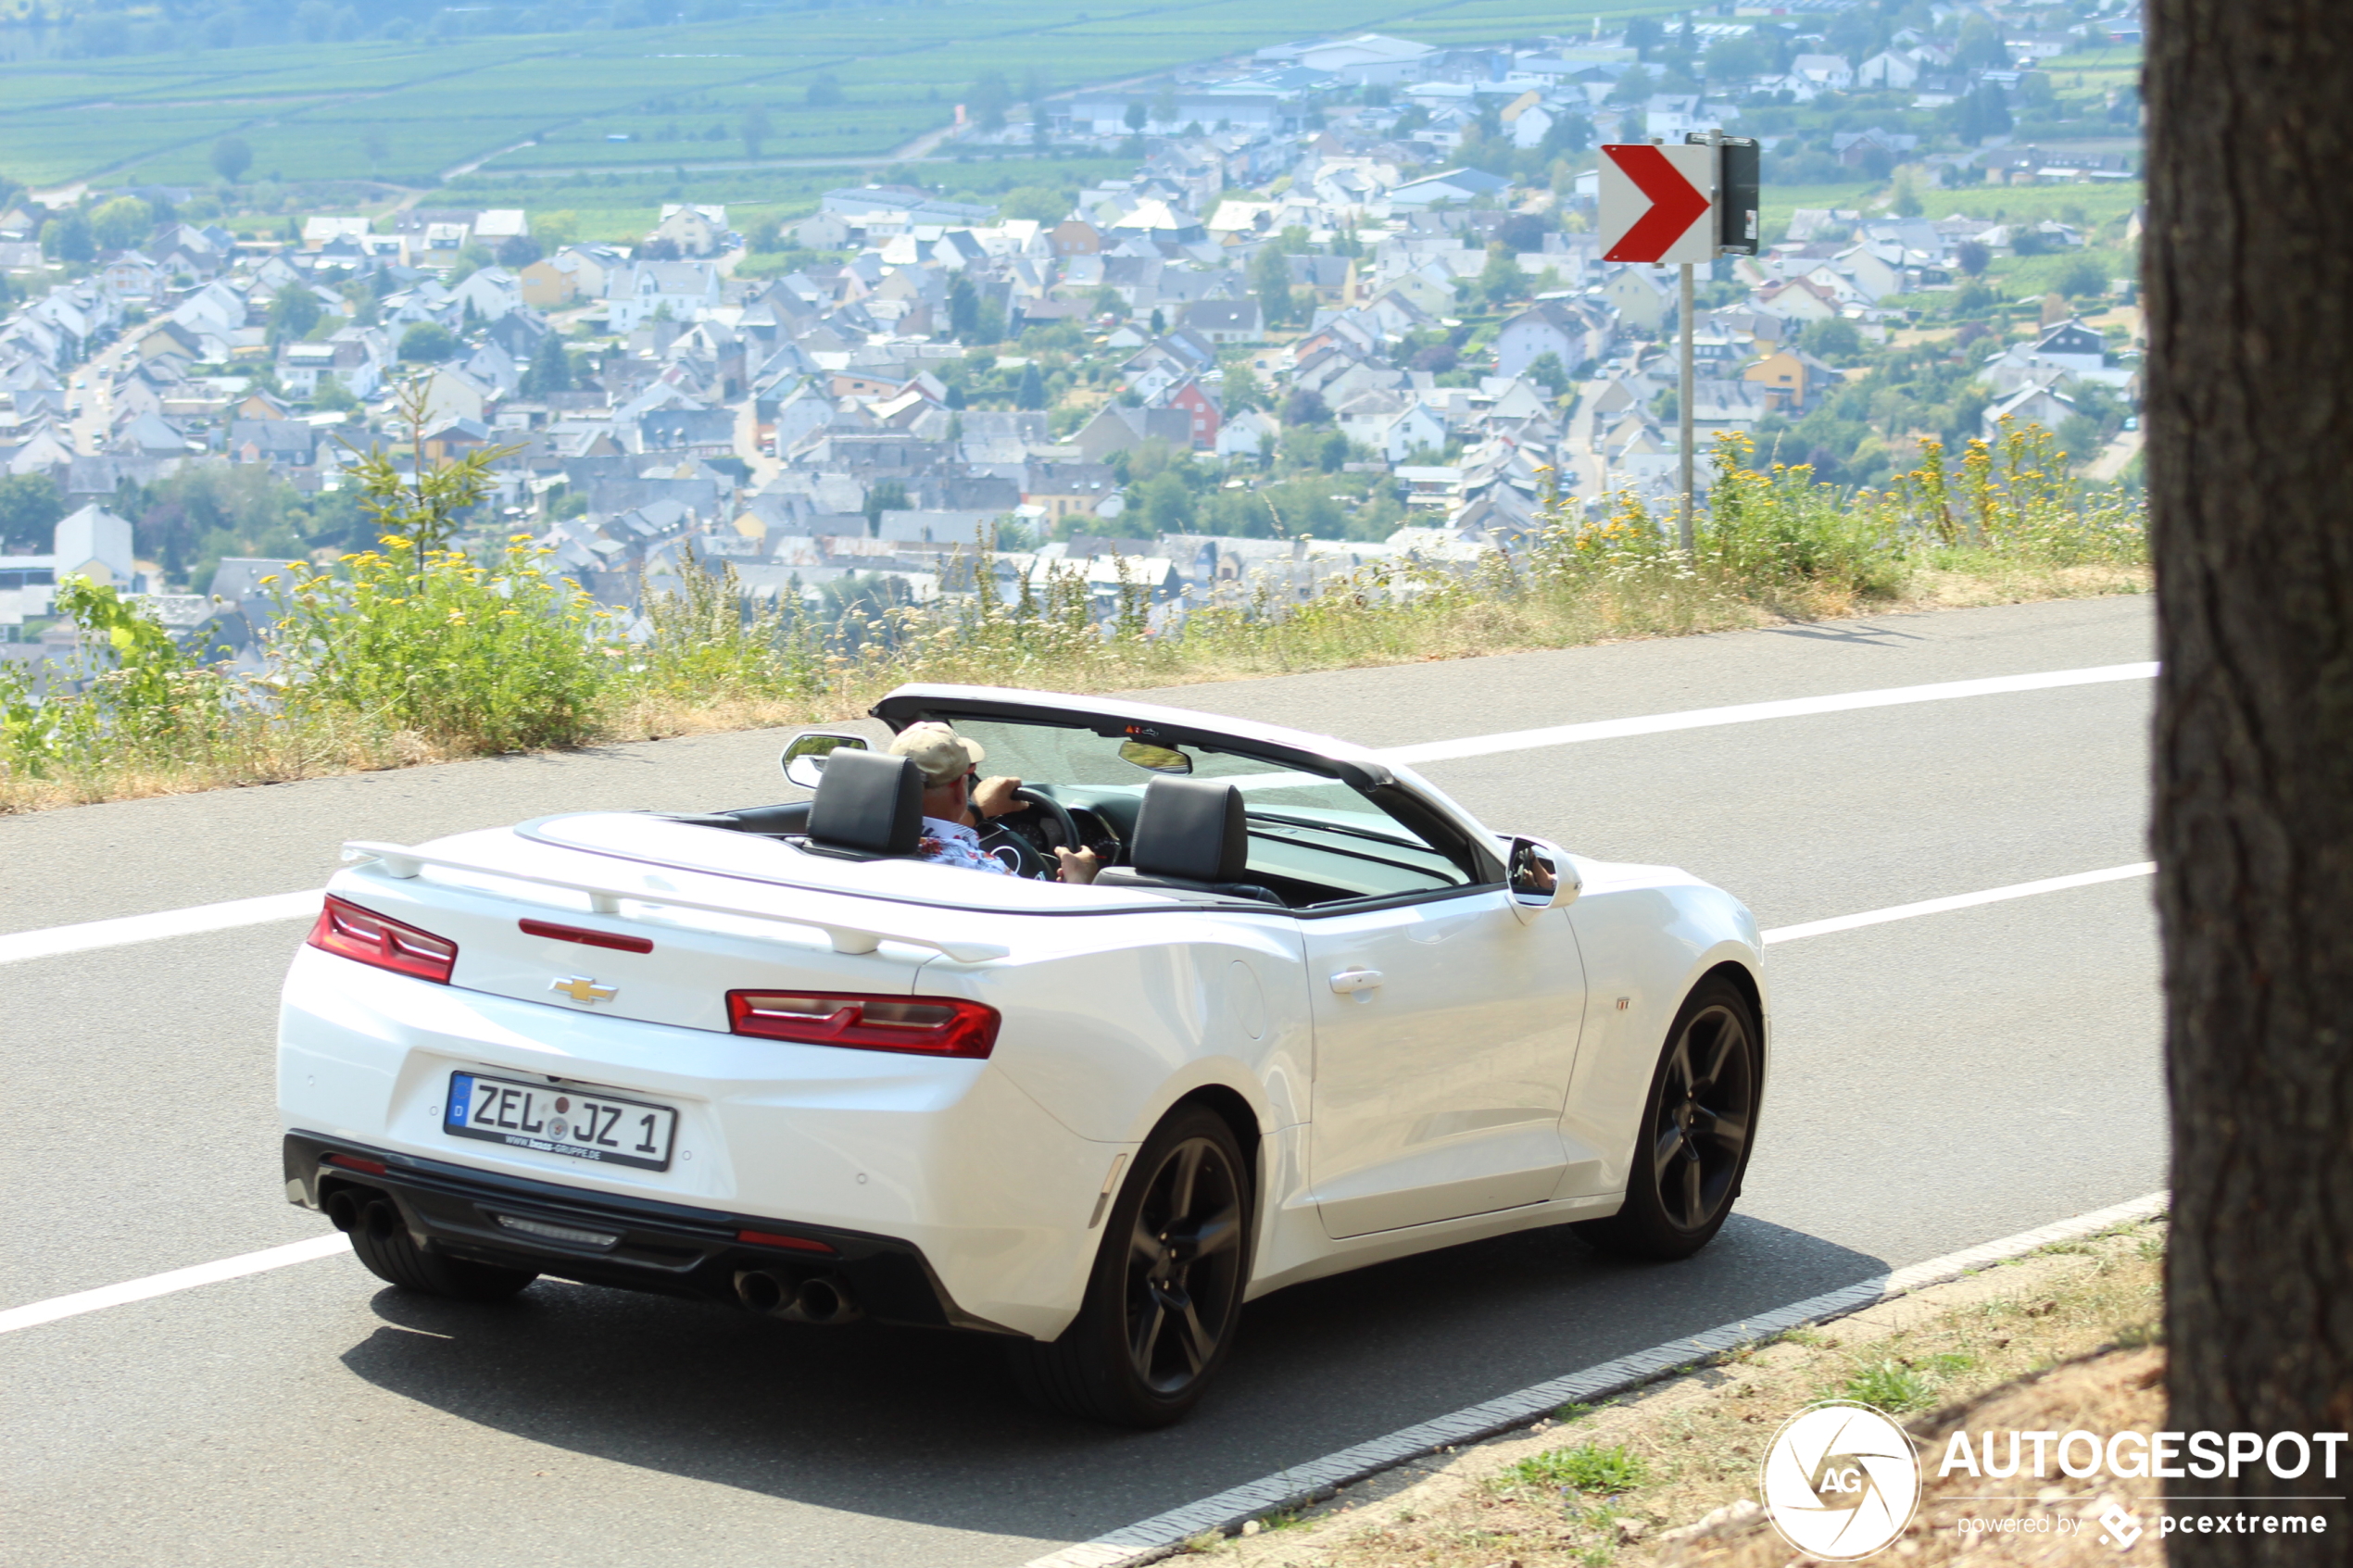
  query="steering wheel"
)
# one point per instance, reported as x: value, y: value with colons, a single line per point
x: 1056, y: 809
x: 1035, y: 861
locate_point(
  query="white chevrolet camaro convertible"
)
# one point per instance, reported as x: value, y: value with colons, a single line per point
x: 1312, y: 1015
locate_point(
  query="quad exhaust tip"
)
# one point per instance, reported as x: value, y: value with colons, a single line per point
x: 821, y: 1299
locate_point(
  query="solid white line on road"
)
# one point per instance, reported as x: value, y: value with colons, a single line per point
x: 176, y: 1279
x: 56, y: 939
x: 1958, y: 901
x: 1751, y: 712
x: 254, y: 1262
x: 1161, y: 1534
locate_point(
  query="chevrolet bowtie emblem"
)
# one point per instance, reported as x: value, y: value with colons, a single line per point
x: 580, y: 989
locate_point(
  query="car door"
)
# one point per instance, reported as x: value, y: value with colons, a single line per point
x: 1445, y: 1031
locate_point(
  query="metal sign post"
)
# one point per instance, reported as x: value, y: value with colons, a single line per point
x: 1735, y: 196
x: 1685, y: 535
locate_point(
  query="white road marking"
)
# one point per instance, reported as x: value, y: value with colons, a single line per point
x: 81, y: 938
x: 302, y: 1251
x: 1958, y: 901
x: 55, y: 939
x: 176, y: 1279
x: 1751, y: 712
x: 1319, y: 1478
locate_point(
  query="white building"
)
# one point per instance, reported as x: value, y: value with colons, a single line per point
x: 1368, y: 58
x: 94, y: 544
x: 635, y: 294
x: 1829, y: 71
x: 1888, y: 69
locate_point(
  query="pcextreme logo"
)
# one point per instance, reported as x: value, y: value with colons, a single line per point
x: 1841, y: 1480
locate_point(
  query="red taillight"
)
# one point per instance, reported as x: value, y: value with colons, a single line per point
x: 350, y: 932
x: 924, y: 1025
x: 587, y: 937
x: 353, y: 1163
x: 773, y: 1238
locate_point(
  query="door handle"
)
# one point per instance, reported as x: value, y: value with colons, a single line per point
x: 1355, y: 981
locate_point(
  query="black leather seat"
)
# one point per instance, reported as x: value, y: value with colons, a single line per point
x: 1191, y: 835
x: 868, y: 804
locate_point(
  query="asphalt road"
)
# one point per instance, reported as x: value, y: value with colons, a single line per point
x: 1940, y: 1081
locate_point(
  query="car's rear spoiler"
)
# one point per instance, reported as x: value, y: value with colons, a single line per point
x: 399, y: 860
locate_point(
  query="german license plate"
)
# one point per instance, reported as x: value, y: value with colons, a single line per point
x: 556, y: 1120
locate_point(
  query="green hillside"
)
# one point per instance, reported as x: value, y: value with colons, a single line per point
x: 409, y: 111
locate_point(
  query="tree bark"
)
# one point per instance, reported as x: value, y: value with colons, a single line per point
x: 2248, y: 269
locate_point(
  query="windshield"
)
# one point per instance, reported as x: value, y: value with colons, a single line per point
x: 1311, y: 832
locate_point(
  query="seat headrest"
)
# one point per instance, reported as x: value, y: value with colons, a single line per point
x: 870, y: 802
x: 1191, y: 828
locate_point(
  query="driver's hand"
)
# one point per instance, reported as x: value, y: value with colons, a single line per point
x: 995, y: 797
x: 1079, y: 865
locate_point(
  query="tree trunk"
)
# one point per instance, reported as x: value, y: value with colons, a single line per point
x: 2250, y: 277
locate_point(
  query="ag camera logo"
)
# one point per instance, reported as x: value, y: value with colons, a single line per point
x: 1841, y: 1480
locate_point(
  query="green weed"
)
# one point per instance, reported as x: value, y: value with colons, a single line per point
x: 1890, y: 1385
x: 1587, y: 1468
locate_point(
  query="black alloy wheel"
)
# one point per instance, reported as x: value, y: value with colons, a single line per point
x: 1697, y: 1129
x: 1184, y: 1266
x: 1165, y: 1293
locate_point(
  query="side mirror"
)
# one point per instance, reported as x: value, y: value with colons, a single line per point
x: 1155, y: 758
x: 1541, y: 877
x: 804, y: 757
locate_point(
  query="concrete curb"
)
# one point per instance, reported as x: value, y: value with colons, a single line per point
x: 1166, y: 1533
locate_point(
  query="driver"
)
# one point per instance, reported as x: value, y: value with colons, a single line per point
x: 953, y: 809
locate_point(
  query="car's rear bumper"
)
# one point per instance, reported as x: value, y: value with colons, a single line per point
x: 949, y: 1156
x: 666, y: 1249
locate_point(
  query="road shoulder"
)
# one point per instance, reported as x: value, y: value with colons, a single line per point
x: 1668, y: 1474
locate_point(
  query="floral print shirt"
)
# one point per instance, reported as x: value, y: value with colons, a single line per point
x: 953, y: 843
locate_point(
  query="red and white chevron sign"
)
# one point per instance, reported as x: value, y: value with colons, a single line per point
x: 1658, y: 203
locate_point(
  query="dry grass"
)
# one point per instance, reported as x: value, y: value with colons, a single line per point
x: 232, y: 758
x: 1995, y: 583
x: 2055, y: 1340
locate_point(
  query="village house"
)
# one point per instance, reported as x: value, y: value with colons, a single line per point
x: 1791, y: 380
x: 1642, y: 298
x: 681, y: 291
x: 695, y: 231
x: 1202, y: 409
x: 1224, y: 321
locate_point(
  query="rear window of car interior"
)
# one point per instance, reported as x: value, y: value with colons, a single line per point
x: 1307, y: 830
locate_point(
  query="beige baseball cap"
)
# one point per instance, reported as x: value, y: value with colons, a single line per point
x: 940, y: 754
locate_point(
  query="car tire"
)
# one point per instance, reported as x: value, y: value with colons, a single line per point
x: 1165, y: 1296
x: 381, y: 1239
x: 1699, y: 1123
